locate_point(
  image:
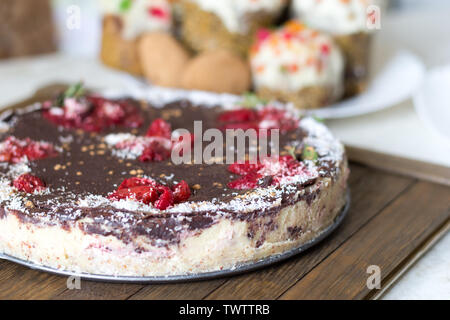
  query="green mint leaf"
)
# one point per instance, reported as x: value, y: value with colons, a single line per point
x: 125, y: 5
x: 74, y: 91
x: 251, y: 100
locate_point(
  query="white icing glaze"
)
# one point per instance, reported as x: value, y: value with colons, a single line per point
x: 232, y: 12
x: 334, y: 16
x: 290, y: 61
x: 138, y: 18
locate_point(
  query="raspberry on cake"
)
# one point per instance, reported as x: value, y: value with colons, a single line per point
x: 114, y: 214
x: 226, y: 24
x: 75, y: 109
x: 15, y: 150
x: 347, y: 21
x: 297, y: 64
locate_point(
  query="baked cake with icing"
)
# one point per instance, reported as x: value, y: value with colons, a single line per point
x: 226, y: 24
x: 124, y: 21
x: 88, y: 184
x: 348, y: 21
x: 297, y: 64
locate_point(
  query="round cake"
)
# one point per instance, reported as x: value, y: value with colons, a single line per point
x: 350, y: 22
x: 227, y: 24
x: 119, y: 186
x: 297, y: 64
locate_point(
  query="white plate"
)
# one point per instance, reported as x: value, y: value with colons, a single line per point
x: 432, y: 101
x: 396, y: 82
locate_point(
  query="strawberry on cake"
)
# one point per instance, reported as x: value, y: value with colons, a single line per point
x: 88, y: 185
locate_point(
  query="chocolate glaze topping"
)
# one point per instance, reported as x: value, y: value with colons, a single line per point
x: 86, y: 166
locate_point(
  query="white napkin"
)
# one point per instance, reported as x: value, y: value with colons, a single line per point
x: 432, y: 101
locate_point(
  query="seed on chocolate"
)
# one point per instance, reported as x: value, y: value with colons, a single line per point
x: 140, y: 171
x: 69, y: 164
x: 91, y: 147
x: 79, y: 173
x: 101, y: 152
x: 84, y: 149
x: 102, y: 146
x: 196, y: 187
x: 133, y: 172
x: 77, y: 182
x: 29, y: 204
x: 110, y: 172
x: 80, y: 163
x: 91, y: 153
x: 57, y: 167
x: 162, y: 175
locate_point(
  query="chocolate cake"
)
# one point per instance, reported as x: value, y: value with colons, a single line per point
x: 88, y: 184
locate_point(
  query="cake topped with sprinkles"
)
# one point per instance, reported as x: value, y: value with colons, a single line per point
x: 99, y: 174
x: 294, y: 58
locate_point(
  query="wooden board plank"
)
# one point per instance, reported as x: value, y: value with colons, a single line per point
x: 399, y: 165
x: 17, y: 282
x: 90, y: 290
x: 178, y: 291
x: 271, y: 282
x: 386, y: 242
x: 412, y: 259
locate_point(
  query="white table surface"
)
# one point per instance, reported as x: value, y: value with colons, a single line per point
x: 397, y: 130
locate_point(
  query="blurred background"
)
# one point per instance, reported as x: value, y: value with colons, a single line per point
x: 405, y: 110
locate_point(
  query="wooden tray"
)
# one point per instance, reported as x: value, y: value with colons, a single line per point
x: 395, y: 216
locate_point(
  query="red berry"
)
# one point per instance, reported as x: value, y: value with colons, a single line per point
x: 266, y: 118
x: 249, y: 181
x: 241, y: 115
x: 244, y: 168
x: 241, y: 125
x: 275, y: 169
x: 166, y: 198
x: 181, y: 192
x: 136, y: 182
x: 99, y: 114
x: 158, y: 12
x: 159, y: 128
x: 28, y: 183
x: 155, y: 152
x: 148, y: 191
x: 262, y: 34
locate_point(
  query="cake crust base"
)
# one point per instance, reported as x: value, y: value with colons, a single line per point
x: 224, y: 245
